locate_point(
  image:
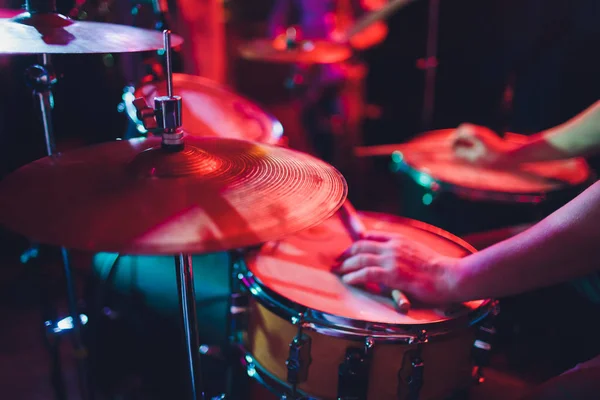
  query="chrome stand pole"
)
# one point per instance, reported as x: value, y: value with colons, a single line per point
x: 41, y: 79
x: 189, y: 321
x: 430, y: 65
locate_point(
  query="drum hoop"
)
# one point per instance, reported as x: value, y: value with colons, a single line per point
x: 435, y: 185
x: 276, y: 133
x: 354, y: 329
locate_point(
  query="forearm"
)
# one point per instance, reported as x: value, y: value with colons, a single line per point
x: 564, y: 246
x: 577, y: 137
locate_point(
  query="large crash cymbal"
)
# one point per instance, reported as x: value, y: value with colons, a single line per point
x: 50, y: 33
x: 304, y: 52
x: 135, y: 197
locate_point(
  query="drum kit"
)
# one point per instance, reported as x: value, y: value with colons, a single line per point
x: 216, y: 179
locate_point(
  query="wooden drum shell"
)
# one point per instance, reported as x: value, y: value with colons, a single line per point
x: 447, y: 359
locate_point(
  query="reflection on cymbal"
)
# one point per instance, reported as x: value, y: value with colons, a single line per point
x: 49, y: 33
x: 304, y: 52
x: 136, y: 197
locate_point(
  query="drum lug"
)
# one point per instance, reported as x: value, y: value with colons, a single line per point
x: 482, y: 346
x: 299, y: 359
x: 353, y: 373
x: 238, y: 313
x: 415, y: 379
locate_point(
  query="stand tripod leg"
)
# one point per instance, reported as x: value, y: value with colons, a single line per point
x: 80, y: 350
x: 187, y: 302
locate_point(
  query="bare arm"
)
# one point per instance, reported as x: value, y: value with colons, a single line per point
x: 564, y: 246
x: 577, y: 137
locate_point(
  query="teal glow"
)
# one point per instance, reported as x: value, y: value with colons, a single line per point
x: 425, y: 180
x: 397, y: 157
x: 427, y: 199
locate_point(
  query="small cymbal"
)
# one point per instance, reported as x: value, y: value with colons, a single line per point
x: 49, y: 33
x: 135, y: 197
x: 305, y: 52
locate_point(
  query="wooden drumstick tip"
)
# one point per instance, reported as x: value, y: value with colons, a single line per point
x: 401, y: 301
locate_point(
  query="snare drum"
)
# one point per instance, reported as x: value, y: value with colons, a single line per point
x: 346, y: 342
x: 210, y: 110
x: 447, y: 192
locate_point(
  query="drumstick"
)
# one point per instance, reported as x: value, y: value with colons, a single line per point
x: 375, y: 16
x: 356, y: 229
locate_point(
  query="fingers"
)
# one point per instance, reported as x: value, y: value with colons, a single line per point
x: 366, y: 275
x: 363, y: 246
x: 357, y: 262
x: 380, y: 236
x: 464, y: 136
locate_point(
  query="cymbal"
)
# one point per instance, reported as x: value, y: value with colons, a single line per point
x: 9, y: 13
x: 48, y: 33
x: 306, y: 52
x: 135, y: 197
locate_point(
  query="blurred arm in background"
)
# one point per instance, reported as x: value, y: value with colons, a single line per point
x: 578, y: 137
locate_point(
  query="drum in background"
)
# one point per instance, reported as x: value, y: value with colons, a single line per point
x: 444, y: 191
x: 135, y: 336
x: 210, y: 109
x: 345, y: 341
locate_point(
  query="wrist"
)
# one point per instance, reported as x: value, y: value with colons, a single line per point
x: 454, y: 280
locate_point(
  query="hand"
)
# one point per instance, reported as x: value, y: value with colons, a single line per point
x: 480, y: 146
x: 400, y: 263
x: 338, y: 36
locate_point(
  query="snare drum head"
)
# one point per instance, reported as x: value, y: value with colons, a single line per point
x: 298, y: 268
x: 431, y: 155
x: 211, y: 110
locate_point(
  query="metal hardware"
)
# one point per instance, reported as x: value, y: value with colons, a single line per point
x: 64, y: 325
x: 189, y: 324
x: 353, y: 373
x: 165, y: 117
x: 414, y: 381
x: 291, y: 38
x: 30, y: 254
x: 258, y: 373
x: 238, y: 315
x: 41, y: 79
x: 483, y: 344
x: 299, y: 359
x: 430, y: 64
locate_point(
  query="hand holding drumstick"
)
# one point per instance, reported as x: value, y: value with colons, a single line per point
x: 356, y: 230
x: 391, y: 260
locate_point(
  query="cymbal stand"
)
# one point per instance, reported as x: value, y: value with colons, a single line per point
x: 41, y: 79
x: 165, y: 119
x: 430, y: 64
